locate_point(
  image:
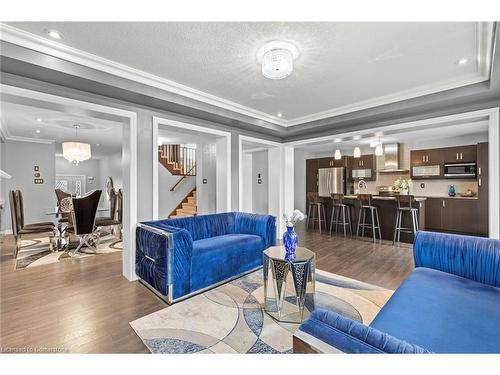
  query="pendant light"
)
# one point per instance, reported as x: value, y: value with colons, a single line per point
x: 357, y: 152
x: 76, y: 152
x: 337, y: 155
x: 379, y: 150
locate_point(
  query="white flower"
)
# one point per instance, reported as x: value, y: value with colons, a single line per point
x: 291, y: 220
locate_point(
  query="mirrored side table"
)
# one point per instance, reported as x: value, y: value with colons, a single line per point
x: 289, y: 284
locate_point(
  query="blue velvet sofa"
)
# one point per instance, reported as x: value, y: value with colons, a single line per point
x: 449, y: 304
x: 180, y: 257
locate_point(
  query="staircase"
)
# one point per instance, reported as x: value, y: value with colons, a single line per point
x: 178, y: 159
x: 187, y: 207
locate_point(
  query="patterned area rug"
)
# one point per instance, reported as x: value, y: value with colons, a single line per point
x: 230, y: 319
x: 36, y: 252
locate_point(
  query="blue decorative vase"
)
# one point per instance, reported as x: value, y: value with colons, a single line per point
x: 290, y: 240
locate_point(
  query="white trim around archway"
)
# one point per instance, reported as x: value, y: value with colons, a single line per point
x: 157, y: 121
x: 129, y: 158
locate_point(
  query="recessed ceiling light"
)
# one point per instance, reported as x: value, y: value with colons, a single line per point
x: 356, y: 137
x: 280, y: 114
x: 37, y: 131
x: 38, y: 119
x: 54, y: 34
x: 337, y: 140
x: 463, y: 61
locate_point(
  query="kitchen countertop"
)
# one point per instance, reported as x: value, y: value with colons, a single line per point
x: 384, y: 198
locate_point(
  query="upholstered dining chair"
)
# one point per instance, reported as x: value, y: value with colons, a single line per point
x: 82, y: 219
x: 17, y: 228
x: 20, y: 210
x: 112, y: 219
x: 61, y: 194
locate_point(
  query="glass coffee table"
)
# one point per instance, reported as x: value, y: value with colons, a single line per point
x: 289, y: 284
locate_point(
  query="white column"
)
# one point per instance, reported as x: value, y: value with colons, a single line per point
x: 286, y: 184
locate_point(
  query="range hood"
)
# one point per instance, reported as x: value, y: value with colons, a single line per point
x: 392, y: 159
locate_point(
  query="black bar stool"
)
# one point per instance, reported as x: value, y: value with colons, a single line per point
x: 317, y: 208
x: 341, y: 214
x: 406, y: 204
x: 365, y: 201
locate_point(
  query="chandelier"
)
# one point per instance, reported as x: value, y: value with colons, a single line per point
x: 76, y: 152
x: 277, y: 59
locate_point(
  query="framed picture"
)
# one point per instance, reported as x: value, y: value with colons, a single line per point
x: 36, y: 174
x: 36, y: 168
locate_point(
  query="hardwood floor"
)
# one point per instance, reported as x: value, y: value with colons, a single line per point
x: 85, y: 305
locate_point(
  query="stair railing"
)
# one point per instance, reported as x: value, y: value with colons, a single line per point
x: 183, y: 177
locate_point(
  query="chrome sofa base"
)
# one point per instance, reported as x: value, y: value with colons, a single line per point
x: 169, y: 301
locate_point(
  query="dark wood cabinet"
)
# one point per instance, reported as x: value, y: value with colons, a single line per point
x: 325, y: 162
x: 460, y: 154
x: 363, y: 163
x: 426, y: 157
x: 455, y: 215
x: 433, y: 213
x: 312, y: 167
x: 482, y: 186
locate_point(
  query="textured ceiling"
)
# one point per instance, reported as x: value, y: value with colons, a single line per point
x: 340, y: 66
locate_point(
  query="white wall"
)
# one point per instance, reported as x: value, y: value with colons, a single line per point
x: 221, y: 170
x: 4, y: 215
x: 206, y: 161
x: 260, y: 192
x: 88, y: 168
x: 247, y: 159
x: 19, y: 159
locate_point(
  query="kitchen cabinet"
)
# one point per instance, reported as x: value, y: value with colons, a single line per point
x: 312, y: 166
x: 426, y: 157
x: 460, y: 154
x: 455, y: 215
x: 364, y: 168
x: 482, y: 185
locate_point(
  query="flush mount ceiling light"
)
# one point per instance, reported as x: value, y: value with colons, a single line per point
x: 462, y: 61
x: 76, y: 152
x: 54, y: 34
x: 277, y: 59
x: 357, y: 152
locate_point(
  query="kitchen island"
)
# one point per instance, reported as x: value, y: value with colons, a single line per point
x: 387, y: 207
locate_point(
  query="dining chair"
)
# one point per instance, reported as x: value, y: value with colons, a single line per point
x: 113, y: 219
x: 18, y: 230
x: 61, y: 194
x: 82, y: 216
x: 20, y: 213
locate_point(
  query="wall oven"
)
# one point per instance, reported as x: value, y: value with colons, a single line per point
x: 460, y: 170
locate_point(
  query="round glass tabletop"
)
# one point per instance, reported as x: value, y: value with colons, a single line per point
x: 278, y: 253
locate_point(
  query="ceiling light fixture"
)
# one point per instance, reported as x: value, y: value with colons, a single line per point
x: 277, y: 59
x: 37, y: 131
x: 54, y: 34
x: 337, y: 140
x: 463, y: 61
x: 337, y: 154
x: 280, y: 114
x: 379, y: 150
x: 38, y: 119
x: 357, y: 152
x: 76, y: 152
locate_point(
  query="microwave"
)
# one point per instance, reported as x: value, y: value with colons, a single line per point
x: 460, y: 170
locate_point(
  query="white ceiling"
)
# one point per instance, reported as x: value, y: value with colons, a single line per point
x: 19, y: 122
x: 342, y: 67
x: 176, y: 135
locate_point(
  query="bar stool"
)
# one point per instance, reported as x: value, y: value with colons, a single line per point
x: 405, y: 204
x: 317, y: 208
x: 365, y: 201
x: 341, y: 214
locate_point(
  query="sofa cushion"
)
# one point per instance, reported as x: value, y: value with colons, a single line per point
x: 443, y: 313
x: 219, y: 258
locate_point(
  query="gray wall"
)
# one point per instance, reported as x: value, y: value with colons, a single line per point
x: 88, y: 168
x: 206, y: 169
x: 19, y: 161
x: 168, y: 200
x: 3, y: 192
x: 260, y: 192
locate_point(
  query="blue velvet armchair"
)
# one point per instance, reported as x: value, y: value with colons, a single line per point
x: 449, y: 304
x: 180, y: 257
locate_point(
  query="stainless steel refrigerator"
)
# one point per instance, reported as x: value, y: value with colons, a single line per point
x: 331, y: 180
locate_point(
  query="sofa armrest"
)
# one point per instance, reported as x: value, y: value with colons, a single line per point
x: 349, y: 336
x: 260, y: 225
x: 163, y: 258
x: 474, y: 258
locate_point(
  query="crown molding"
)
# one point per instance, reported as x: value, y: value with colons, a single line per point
x: 485, y: 45
x: 34, y: 42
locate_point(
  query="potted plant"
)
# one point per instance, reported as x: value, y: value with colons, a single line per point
x: 403, y: 185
